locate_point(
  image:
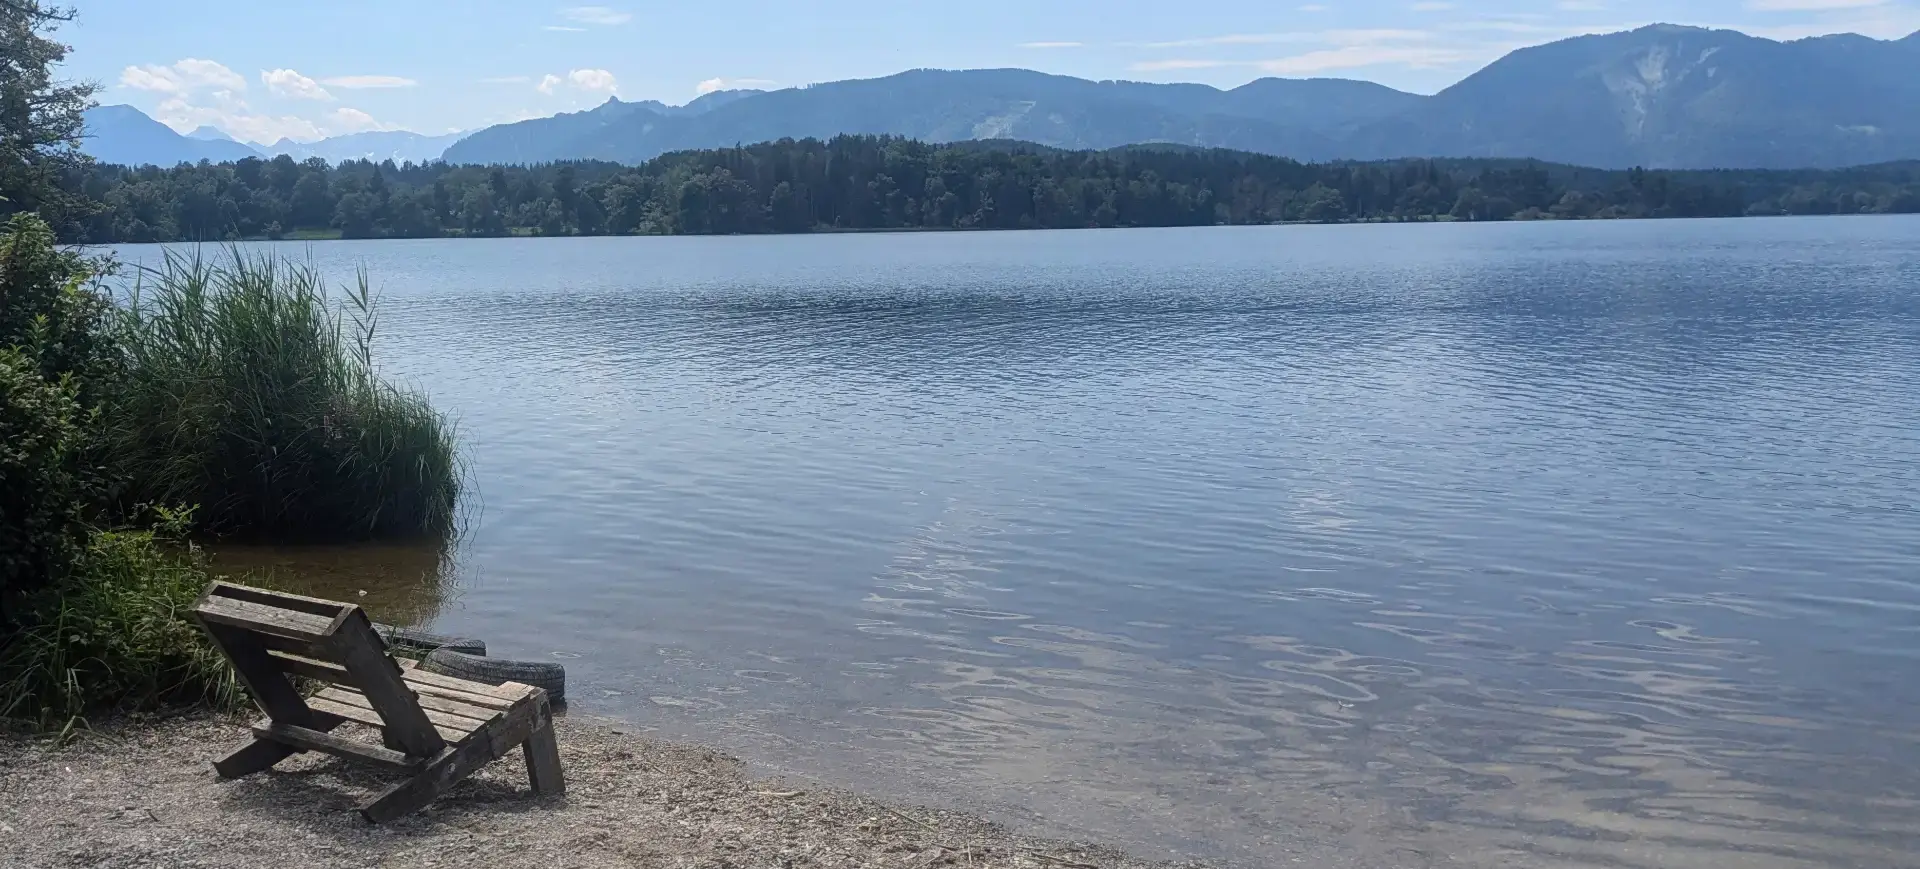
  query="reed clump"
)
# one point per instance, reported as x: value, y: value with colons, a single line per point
x: 250, y: 391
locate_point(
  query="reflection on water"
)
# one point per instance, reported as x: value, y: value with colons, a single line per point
x: 398, y: 583
x: 1535, y: 545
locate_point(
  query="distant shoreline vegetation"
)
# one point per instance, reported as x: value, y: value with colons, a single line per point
x: 864, y: 183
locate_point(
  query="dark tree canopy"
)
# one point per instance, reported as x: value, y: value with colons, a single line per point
x: 41, y: 120
x: 883, y: 183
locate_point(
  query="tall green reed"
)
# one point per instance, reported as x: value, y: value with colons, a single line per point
x: 251, y: 392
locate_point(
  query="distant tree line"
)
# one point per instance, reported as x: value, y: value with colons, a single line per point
x: 879, y: 183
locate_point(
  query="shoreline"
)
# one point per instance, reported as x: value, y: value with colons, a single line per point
x: 142, y: 792
x: 925, y: 230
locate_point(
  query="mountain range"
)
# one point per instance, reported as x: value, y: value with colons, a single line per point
x: 1662, y: 96
x: 126, y: 135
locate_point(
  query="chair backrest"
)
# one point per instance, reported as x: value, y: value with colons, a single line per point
x: 270, y: 635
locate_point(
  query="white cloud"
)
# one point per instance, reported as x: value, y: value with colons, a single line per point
x: 287, y: 83
x: 178, y: 113
x: 731, y: 84
x: 601, y: 15
x: 593, y: 80
x: 361, y: 82
x: 548, y: 82
x: 184, y: 76
x: 346, y: 120
x: 1045, y: 45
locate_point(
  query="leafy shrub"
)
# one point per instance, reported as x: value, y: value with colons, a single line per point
x: 41, y: 518
x: 115, y: 633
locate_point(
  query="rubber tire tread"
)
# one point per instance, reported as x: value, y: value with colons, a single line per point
x: 494, y: 671
x: 414, y: 642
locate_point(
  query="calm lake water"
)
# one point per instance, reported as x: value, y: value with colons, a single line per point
x: 1589, y: 544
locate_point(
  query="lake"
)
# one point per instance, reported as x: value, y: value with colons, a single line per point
x: 1557, y: 544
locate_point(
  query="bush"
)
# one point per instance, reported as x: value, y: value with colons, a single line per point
x: 41, y: 518
x: 115, y: 633
x: 49, y: 313
x: 250, y: 394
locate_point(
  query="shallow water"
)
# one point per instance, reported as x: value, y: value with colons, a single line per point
x: 1537, y: 544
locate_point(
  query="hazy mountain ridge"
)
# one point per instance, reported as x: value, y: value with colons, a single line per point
x: 399, y: 146
x: 124, y: 134
x: 1661, y: 96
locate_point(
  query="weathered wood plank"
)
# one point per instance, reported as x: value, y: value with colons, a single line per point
x: 261, y: 754
x: 462, y: 723
x: 543, y: 754
x: 407, y: 727
x: 364, y: 715
x: 300, y: 665
x: 287, y: 644
x: 264, y: 680
x: 327, y: 609
x: 506, y: 694
x: 469, y: 698
x: 314, y: 740
x: 486, y: 745
x: 265, y: 619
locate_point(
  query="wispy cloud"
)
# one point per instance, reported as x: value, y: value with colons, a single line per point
x: 182, y: 76
x: 562, y: 28
x: 346, y: 120
x: 585, y: 80
x: 293, y: 85
x: 1044, y: 45
x: 362, y: 82
x: 732, y: 84
x: 593, y: 80
x: 605, y: 16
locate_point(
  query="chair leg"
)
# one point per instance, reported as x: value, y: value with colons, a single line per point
x: 543, y: 761
x: 261, y: 754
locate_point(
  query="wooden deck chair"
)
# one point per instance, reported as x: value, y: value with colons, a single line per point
x: 439, y: 728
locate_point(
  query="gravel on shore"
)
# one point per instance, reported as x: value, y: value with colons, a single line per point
x: 143, y: 793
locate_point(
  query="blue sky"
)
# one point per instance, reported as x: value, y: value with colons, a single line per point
x: 310, y: 69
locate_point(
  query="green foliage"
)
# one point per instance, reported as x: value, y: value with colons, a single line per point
x: 249, y: 393
x: 40, y: 116
x: 41, y: 516
x: 50, y: 313
x: 868, y: 182
x: 115, y: 634
x: 56, y: 360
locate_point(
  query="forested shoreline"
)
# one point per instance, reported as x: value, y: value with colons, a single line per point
x: 884, y: 183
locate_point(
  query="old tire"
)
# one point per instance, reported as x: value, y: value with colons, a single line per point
x: 418, y: 643
x: 494, y: 671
